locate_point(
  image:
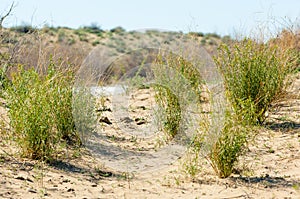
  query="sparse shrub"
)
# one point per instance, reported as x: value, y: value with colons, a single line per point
x: 49, y: 30
x: 40, y: 110
x: 23, y: 29
x: 214, y: 35
x: 120, y: 50
x: 173, y: 75
x: 61, y: 35
x: 120, y: 46
x: 71, y: 41
x: 83, y: 38
x: 212, y: 42
x: 63, y: 27
x: 191, y: 164
x: 7, y: 39
x: 229, y: 145
x: 221, y: 149
x: 203, y: 41
x: 81, y: 34
x: 61, y: 83
x: 101, y: 35
x: 117, y: 30
x: 254, y: 75
x: 171, y: 110
x: 93, y: 28
x: 78, y: 32
x: 185, y: 68
x: 95, y: 43
x: 196, y: 34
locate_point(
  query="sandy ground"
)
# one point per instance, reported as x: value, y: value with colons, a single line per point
x: 270, y: 169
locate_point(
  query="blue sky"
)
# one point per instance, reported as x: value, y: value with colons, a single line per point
x: 222, y: 17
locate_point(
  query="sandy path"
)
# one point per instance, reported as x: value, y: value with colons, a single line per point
x: 271, y: 169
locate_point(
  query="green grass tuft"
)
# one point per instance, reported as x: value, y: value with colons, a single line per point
x: 40, y: 110
x: 254, y: 75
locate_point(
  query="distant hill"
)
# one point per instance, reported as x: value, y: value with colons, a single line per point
x: 31, y: 47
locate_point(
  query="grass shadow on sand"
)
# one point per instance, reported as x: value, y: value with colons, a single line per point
x: 266, y: 181
x: 69, y: 167
x: 16, y: 163
x: 283, y: 126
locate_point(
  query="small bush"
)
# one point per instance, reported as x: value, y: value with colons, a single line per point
x: 61, y: 35
x: 221, y: 149
x: 118, y: 30
x: 212, y: 42
x: 40, y: 110
x: 186, y: 69
x: 82, y: 35
x: 192, y: 164
x: 254, y: 75
x: 203, y: 41
x: 83, y: 38
x: 196, y: 34
x: 171, y: 116
x: 95, y: 43
x: 23, y: 29
x: 93, y: 28
x: 229, y: 145
x: 214, y: 35
x: 71, y: 41
x: 174, y: 75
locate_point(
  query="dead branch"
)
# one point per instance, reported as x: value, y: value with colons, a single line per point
x: 6, y: 15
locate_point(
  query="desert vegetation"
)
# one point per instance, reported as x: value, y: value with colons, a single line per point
x: 39, y: 66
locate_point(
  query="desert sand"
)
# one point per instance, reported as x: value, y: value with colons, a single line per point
x: 270, y: 169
